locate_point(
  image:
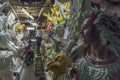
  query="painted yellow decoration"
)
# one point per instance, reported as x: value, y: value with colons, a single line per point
x: 48, y: 16
x: 45, y: 14
x: 19, y: 27
x: 55, y: 10
x: 67, y: 5
x: 59, y: 19
x: 67, y: 14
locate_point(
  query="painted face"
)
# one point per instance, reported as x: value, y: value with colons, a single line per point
x: 88, y: 30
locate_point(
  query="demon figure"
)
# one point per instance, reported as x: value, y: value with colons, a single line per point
x: 100, y: 57
x: 97, y: 56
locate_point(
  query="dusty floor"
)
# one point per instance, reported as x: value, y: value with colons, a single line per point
x: 28, y: 73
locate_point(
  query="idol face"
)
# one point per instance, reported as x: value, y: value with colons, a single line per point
x: 88, y: 30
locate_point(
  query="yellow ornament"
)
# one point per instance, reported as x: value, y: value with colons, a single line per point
x: 21, y: 27
x: 67, y: 5
x: 55, y: 10
x: 48, y: 16
x: 45, y: 14
x: 59, y: 19
x: 67, y: 13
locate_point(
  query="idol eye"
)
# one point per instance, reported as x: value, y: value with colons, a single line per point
x: 108, y: 42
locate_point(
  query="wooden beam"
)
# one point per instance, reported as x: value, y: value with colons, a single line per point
x: 30, y: 5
